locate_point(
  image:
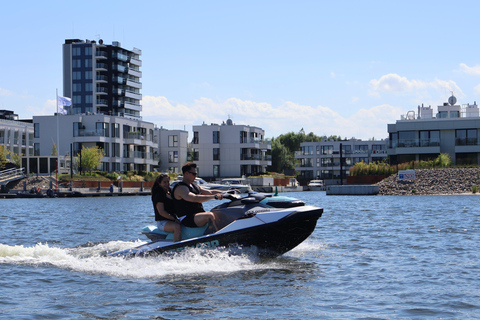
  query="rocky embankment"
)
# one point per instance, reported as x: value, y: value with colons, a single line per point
x: 433, y: 181
x: 42, y: 182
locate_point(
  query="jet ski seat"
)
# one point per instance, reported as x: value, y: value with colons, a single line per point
x: 153, y: 233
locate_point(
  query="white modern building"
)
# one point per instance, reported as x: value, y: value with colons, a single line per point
x: 173, y: 149
x: 454, y: 129
x: 127, y: 144
x: 229, y: 150
x: 16, y: 135
x: 331, y: 160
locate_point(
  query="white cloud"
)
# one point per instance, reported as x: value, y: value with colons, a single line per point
x: 49, y: 108
x: 5, y: 92
x: 393, y: 83
x: 470, y: 70
x: 477, y: 89
x: 275, y: 120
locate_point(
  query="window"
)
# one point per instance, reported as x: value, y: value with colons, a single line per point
x: 36, y: 130
x: 195, y: 137
x: 115, y: 130
x: 77, y: 75
x: 327, y: 162
x: 173, y: 141
x: 77, y: 99
x: 88, y: 99
x: 115, y: 149
x: 76, y: 63
x: 429, y: 138
x: 327, y: 149
x: 393, y: 141
x: 363, y: 148
x: 216, y: 153
x: 216, y: 136
x: 195, y: 155
x: 243, y: 137
x: 346, y: 149
x: 102, y: 129
x: 88, y: 63
x: 76, y: 51
x: 88, y: 75
x: 466, y: 137
x: 307, y: 150
x: 360, y: 159
x: 88, y: 87
x: 407, y: 139
x: 173, y: 156
x: 454, y: 114
x: 77, y: 87
x: 88, y: 51
x: 106, y: 149
x: 36, y: 149
x: 216, y: 171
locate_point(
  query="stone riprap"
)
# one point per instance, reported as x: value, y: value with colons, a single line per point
x: 433, y: 181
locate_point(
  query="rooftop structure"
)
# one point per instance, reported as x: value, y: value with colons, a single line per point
x: 454, y: 130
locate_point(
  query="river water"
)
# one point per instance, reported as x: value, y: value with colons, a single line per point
x: 370, y: 257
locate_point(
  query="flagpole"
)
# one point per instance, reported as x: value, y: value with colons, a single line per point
x: 58, y: 146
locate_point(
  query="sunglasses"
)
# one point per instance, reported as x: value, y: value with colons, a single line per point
x: 194, y: 173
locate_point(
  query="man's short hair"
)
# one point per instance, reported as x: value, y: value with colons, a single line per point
x: 187, y: 166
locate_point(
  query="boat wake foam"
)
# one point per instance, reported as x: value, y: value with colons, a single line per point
x: 91, y: 258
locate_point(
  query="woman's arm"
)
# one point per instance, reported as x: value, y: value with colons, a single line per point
x: 161, y: 210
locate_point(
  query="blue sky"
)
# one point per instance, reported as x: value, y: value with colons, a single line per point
x: 343, y: 68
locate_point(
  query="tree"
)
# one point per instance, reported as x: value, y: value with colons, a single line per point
x: 54, y: 149
x: 3, y: 156
x: 284, y: 147
x: 17, y: 159
x: 91, y: 157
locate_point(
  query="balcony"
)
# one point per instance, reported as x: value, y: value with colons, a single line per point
x: 102, y: 102
x: 136, y: 62
x: 101, y: 66
x: 257, y: 157
x: 120, y: 56
x: 102, y: 78
x: 101, y: 90
x: 133, y: 95
x: 133, y: 83
x: 101, y: 54
x: 135, y: 73
x: 120, y: 68
x: 466, y: 142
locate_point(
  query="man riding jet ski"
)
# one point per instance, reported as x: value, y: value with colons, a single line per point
x: 271, y: 224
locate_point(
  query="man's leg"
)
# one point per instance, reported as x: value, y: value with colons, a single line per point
x: 202, y: 218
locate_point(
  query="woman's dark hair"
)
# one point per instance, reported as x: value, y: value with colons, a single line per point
x: 156, y: 185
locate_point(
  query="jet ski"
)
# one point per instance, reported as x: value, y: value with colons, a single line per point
x: 270, y: 224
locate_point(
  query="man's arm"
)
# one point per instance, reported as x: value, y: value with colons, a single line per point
x: 182, y: 192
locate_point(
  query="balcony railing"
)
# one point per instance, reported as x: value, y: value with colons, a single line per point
x: 466, y: 141
x: 255, y: 157
x: 415, y: 143
x: 140, y: 155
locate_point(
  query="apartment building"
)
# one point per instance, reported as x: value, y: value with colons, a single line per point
x: 101, y: 78
x: 127, y: 144
x: 331, y: 160
x: 454, y: 129
x: 173, y: 149
x: 230, y: 150
x: 16, y: 135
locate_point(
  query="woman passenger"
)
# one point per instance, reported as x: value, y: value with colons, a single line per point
x: 164, y: 208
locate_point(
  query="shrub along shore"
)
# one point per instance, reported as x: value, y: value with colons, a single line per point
x: 434, y: 182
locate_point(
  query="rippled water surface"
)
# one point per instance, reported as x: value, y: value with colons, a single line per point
x: 382, y: 257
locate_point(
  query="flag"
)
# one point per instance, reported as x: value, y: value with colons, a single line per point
x: 63, y: 102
